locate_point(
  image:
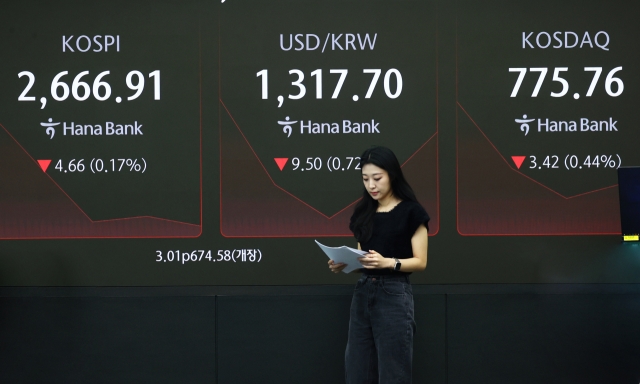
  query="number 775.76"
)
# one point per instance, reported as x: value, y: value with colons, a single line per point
x: 609, y: 81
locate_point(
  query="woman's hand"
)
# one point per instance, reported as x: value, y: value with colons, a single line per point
x: 374, y: 260
x: 336, y: 267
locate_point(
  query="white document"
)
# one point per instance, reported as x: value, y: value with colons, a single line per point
x: 344, y: 254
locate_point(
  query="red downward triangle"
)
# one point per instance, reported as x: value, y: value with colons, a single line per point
x: 281, y: 161
x: 518, y: 160
x: 44, y: 164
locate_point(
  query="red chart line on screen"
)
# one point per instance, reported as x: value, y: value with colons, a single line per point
x: 494, y: 198
x: 254, y: 205
x: 46, y: 211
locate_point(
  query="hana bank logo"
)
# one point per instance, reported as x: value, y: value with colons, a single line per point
x: 524, y: 126
x: 287, y: 126
x: 51, y: 131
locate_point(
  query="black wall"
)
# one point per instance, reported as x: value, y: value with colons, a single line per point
x: 466, y: 334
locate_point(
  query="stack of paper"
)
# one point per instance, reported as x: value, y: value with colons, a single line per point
x: 344, y: 254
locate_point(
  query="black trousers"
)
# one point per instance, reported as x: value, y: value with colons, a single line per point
x: 381, y: 328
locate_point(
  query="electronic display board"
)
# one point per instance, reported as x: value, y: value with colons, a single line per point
x: 325, y: 92
x: 111, y: 120
x: 545, y: 116
x: 210, y: 142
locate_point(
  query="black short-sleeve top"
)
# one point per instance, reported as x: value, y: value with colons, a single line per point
x: 392, y: 233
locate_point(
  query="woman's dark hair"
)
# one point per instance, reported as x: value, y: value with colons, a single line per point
x: 362, y: 222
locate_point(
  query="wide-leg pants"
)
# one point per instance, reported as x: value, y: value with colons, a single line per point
x: 381, y: 328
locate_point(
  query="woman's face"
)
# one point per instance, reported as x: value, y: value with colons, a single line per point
x: 376, y: 181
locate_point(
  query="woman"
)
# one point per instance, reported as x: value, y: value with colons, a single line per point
x: 391, y: 225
